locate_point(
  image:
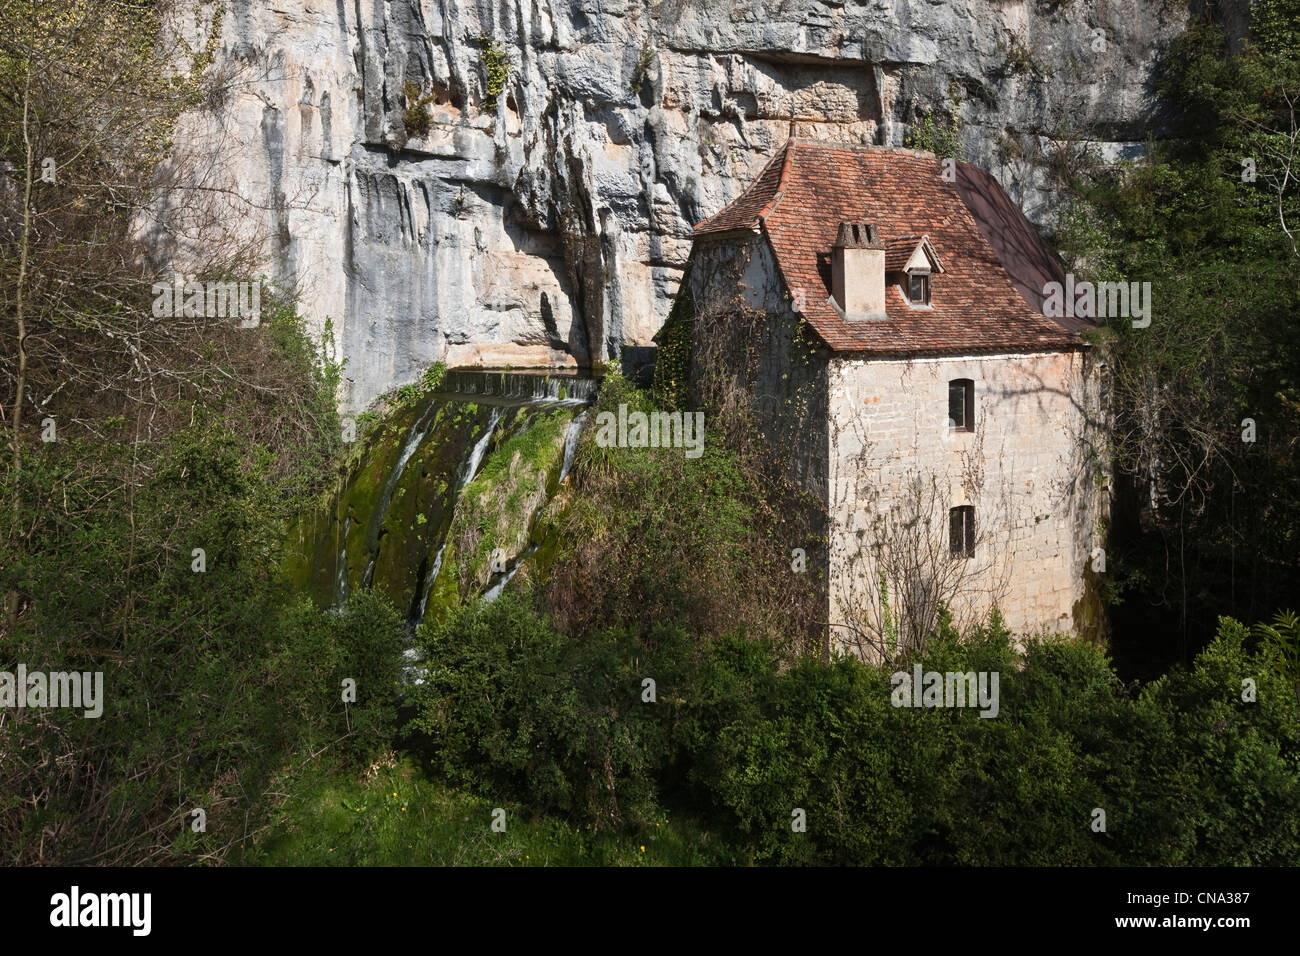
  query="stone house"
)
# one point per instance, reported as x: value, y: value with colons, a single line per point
x: 880, y: 312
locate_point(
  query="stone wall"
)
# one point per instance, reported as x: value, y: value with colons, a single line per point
x: 1030, y: 470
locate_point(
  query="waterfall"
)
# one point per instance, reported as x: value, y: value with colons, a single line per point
x: 476, y: 456
x: 518, y: 387
x: 494, y: 592
x: 429, y: 579
x: 414, y: 438
x: 341, y: 579
x: 571, y: 444
x: 465, y: 476
x: 407, y: 491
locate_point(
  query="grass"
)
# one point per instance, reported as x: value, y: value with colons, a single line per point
x: 400, y: 816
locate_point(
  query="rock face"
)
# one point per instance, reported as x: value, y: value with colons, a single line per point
x: 550, y: 228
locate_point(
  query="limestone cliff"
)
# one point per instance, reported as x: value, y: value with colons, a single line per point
x: 552, y: 228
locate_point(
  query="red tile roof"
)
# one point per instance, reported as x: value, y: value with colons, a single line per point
x: 799, y: 200
x: 898, y: 251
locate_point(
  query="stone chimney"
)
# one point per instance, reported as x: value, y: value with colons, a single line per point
x: 858, y: 272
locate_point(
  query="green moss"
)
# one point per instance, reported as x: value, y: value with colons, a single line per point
x: 497, y: 508
x: 1089, y: 612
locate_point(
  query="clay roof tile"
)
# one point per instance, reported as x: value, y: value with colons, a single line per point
x: 808, y: 189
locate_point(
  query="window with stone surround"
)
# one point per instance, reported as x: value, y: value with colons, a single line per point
x: 961, y: 405
x: 961, y: 531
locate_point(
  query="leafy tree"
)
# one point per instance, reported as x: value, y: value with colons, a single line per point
x: 1206, y: 398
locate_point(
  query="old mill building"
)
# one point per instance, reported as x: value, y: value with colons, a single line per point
x: 881, y: 311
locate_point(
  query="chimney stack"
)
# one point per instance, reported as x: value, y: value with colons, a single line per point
x: 858, y: 272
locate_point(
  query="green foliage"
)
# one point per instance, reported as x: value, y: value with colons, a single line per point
x: 363, y: 642
x: 408, y: 395
x: 496, y: 61
x: 1186, y: 772
x: 416, y: 116
x: 514, y: 708
x: 673, y: 357
x: 649, y: 536
x: 401, y: 816
x: 1275, y: 26
x: 1283, y: 637
x: 642, y: 65
x: 199, y: 661
x: 940, y: 136
x: 1207, y: 217
x: 1212, y: 779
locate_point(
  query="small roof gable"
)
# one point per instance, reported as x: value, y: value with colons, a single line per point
x: 808, y: 188
x: 908, y: 252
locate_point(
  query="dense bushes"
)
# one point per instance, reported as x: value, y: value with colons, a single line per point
x: 648, y: 536
x: 362, y: 642
x: 1185, y: 771
x: 212, y: 679
x: 520, y: 711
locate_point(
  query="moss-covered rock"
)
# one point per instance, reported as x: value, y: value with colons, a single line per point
x: 401, y: 519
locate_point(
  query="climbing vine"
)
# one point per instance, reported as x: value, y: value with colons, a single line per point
x: 673, y: 359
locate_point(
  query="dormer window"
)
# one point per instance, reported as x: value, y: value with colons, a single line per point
x: 918, y: 288
x: 911, y: 261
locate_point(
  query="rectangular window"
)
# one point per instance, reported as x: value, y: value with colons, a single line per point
x: 961, y: 404
x: 961, y: 531
x: 919, y: 290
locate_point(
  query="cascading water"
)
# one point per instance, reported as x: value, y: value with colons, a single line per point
x: 420, y: 429
x: 517, y: 387
x: 571, y: 444
x: 445, y: 488
x: 494, y: 592
x: 465, y: 477
x: 570, y: 449
x: 341, y: 579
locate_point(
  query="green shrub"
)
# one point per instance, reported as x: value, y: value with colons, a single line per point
x: 519, y: 710
x: 416, y: 116
x: 1186, y: 773
x: 363, y: 641
x: 650, y: 536
x: 496, y: 62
